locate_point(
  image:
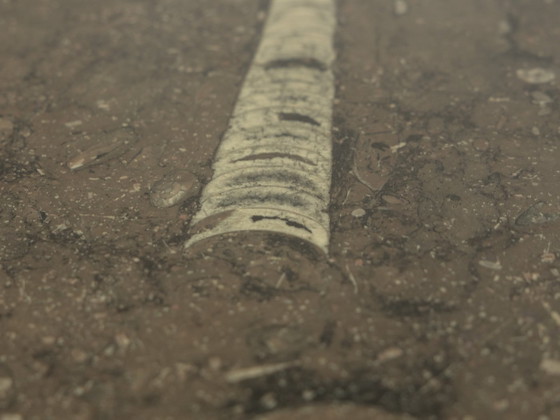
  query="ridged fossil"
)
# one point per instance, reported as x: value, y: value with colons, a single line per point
x: 272, y: 170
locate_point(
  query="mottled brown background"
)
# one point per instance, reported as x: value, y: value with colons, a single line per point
x: 441, y: 294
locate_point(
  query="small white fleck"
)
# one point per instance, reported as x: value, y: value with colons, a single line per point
x: 359, y: 213
x: 268, y: 401
x: 398, y: 146
x: 401, y: 7
x: 308, y: 395
x: 492, y: 265
x: 390, y: 354
x: 536, y: 75
x: 541, y: 98
x: 73, y: 124
x: 6, y: 125
x: 5, y: 385
x: 11, y: 416
x: 504, y: 27
x: 101, y: 104
x: 550, y: 366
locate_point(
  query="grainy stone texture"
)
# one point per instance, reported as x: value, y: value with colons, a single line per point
x: 441, y: 300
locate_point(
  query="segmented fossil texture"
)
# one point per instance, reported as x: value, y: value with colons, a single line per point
x: 272, y: 171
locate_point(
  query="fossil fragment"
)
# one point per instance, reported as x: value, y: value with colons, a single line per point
x: 173, y: 189
x: 105, y: 147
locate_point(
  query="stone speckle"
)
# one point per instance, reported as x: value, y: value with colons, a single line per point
x: 536, y: 75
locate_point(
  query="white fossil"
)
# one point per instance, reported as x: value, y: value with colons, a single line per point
x: 273, y: 168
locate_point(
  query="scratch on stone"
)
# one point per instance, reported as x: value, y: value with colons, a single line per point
x: 352, y: 279
x: 243, y: 374
x: 359, y: 177
x: 553, y: 314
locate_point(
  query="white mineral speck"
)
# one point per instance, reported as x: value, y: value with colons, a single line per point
x: 504, y: 27
x: 536, y: 75
x: 5, y: 385
x: 101, y: 104
x: 390, y: 354
x: 492, y: 265
x: 359, y: 213
x: 6, y: 126
x: 541, y: 98
x: 401, y: 7
x: 268, y: 401
x: 73, y: 124
x: 550, y: 366
x: 11, y: 416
